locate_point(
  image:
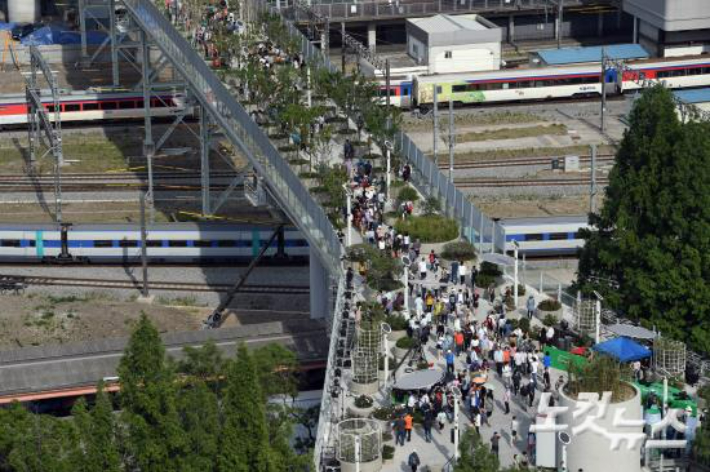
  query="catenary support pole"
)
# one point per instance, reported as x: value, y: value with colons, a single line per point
x: 144, y: 247
x: 114, y: 42
x: 205, y: 161
x: 148, y: 144
x: 593, y: 183
x: 515, y: 276
x: 451, y: 139
x: 436, y: 126
x: 603, y: 81
x: 560, y: 23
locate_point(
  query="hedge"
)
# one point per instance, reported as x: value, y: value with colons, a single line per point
x: 428, y: 229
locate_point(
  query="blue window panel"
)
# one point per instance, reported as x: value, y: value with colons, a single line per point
x: 514, y: 237
x: 50, y: 243
x: 296, y: 243
x: 546, y: 237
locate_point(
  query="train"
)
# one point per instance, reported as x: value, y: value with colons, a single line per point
x: 208, y: 242
x: 543, y: 83
x: 93, y: 106
x: 545, y: 236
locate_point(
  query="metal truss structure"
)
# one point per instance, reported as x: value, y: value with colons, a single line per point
x: 38, y: 120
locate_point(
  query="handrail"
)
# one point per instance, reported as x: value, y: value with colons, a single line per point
x: 286, y: 188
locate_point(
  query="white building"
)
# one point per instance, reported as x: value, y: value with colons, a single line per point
x: 448, y: 44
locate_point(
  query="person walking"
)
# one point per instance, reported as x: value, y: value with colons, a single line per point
x: 422, y: 269
x: 506, y: 400
x: 530, y: 306
x: 408, y: 426
x: 399, y: 430
x: 414, y: 460
x: 514, y: 427
x: 441, y: 419
x: 427, y: 423
x: 462, y: 273
x: 450, y: 359
x: 495, y: 443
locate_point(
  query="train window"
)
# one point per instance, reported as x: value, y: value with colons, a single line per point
x: 108, y: 105
x: 140, y: 103
x: 226, y: 243
x: 438, y: 90
x: 558, y: 236
x: 459, y: 88
x: 177, y: 243
x: 90, y: 106
x: 201, y: 243
x: 533, y: 237
x: 705, y: 70
x: 157, y: 103
x: 126, y: 104
x: 50, y: 108
x: 153, y: 243
x: 31, y: 243
x: 127, y: 243
x: 695, y: 71
x: 103, y: 243
x: 72, y: 107
x: 10, y: 243
x: 448, y: 54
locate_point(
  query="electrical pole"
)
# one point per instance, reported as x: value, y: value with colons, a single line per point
x: 603, y: 80
x: 559, y: 23
x: 342, y: 46
x: 144, y: 248
x: 593, y: 177
x: 451, y: 139
x: 436, y: 126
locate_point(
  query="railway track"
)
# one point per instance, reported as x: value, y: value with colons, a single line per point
x: 138, y: 176
x: 153, y: 285
x: 521, y: 161
x: 494, y: 183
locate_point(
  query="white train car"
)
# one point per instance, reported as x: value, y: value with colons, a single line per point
x: 677, y: 73
x: 546, y: 236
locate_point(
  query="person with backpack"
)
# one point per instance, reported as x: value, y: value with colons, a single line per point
x: 414, y: 460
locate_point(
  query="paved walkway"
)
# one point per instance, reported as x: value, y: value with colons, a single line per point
x: 436, y: 454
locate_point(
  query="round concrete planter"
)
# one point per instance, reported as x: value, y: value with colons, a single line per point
x: 361, y: 412
x: 393, y: 336
x: 357, y: 388
x: 542, y: 314
x: 399, y: 353
x: 591, y: 451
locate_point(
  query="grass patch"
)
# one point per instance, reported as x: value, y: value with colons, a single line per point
x: 512, y: 133
x: 475, y: 119
x: 179, y: 301
x: 429, y: 228
x: 532, y: 152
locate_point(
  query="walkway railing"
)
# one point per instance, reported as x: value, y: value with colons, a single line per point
x: 361, y: 11
x: 286, y: 188
x: 477, y: 227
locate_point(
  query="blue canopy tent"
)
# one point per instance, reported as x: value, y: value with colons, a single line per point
x: 623, y: 349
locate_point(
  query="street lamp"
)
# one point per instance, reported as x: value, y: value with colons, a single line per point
x: 597, y: 316
x: 457, y: 398
x: 348, y: 216
x: 407, y: 263
x: 386, y: 329
x: 388, y: 148
x: 516, y: 246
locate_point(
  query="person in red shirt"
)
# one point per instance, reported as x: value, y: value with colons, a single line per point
x: 458, y: 338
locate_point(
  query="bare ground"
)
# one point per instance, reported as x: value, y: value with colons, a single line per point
x: 525, y: 207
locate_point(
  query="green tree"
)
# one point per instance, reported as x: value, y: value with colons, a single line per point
x: 474, y: 456
x: 199, y: 412
x: 96, y: 433
x: 203, y: 363
x: 156, y: 441
x: 244, y: 436
x: 701, y: 443
x: 649, y: 251
x: 42, y: 443
x: 276, y: 367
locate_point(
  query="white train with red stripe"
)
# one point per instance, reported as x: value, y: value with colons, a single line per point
x: 93, y: 106
x: 543, y: 83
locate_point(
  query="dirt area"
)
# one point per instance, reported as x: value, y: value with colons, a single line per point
x: 411, y: 123
x: 531, y: 152
x: 524, y: 207
x: 34, y: 320
x: 511, y: 133
x: 112, y: 150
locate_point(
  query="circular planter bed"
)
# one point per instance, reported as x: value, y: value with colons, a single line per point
x: 362, y: 407
x: 551, y: 308
x: 402, y: 347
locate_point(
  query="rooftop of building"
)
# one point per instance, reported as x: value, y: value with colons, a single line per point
x: 701, y: 95
x: 564, y: 56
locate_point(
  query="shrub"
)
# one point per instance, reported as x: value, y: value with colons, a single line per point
x: 485, y: 280
x: 406, y: 343
x: 432, y: 205
x: 549, y: 320
x: 490, y: 268
x: 524, y: 324
x: 397, y: 322
x: 459, y: 251
x: 549, y: 305
x: 383, y: 414
x: 429, y: 229
x: 387, y: 452
x: 363, y: 401
x: 407, y: 193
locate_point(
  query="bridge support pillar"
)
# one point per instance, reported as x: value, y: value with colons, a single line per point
x: 635, y: 38
x: 511, y: 28
x: 320, y: 292
x: 372, y: 36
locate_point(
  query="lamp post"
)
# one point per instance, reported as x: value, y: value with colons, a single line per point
x: 597, y: 317
x: 516, y: 246
x: 388, y: 148
x: 348, y: 216
x: 386, y: 329
x: 457, y: 398
x: 407, y: 263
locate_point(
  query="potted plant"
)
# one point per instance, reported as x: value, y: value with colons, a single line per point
x: 549, y: 307
x: 403, y: 345
x: 362, y: 406
x: 399, y: 324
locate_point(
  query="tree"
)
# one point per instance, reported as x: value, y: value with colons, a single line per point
x: 244, y: 435
x: 199, y: 413
x: 474, y: 455
x: 649, y: 250
x: 156, y: 441
x: 202, y: 363
x: 276, y: 366
x: 42, y: 443
x: 96, y: 433
x: 701, y: 443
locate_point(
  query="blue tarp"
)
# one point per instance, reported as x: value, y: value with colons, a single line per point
x: 694, y: 96
x: 56, y: 35
x: 7, y: 26
x: 592, y: 54
x: 623, y: 349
